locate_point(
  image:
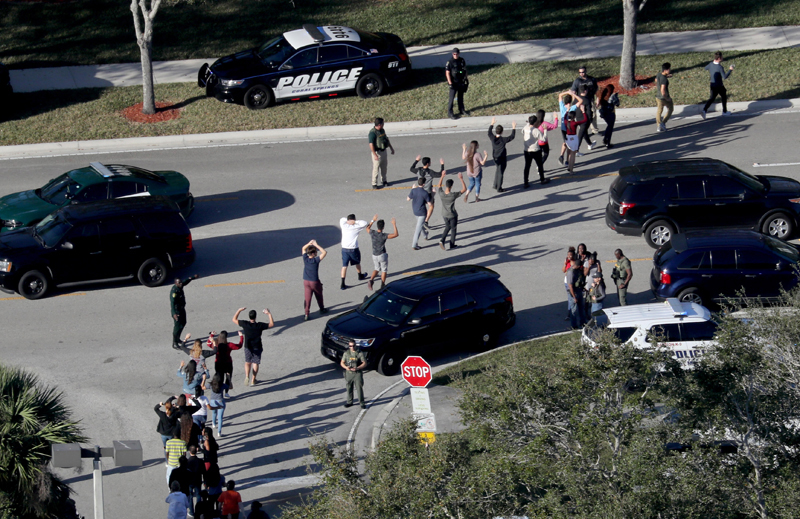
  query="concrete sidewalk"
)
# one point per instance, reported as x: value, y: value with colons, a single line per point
x: 130, y: 74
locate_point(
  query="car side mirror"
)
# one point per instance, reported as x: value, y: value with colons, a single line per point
x: 742, y: 196
x: 414, y: 321
x: 67, y: 245
x: 285, y: 66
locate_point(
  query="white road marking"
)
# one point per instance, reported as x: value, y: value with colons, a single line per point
x: 775, y: 165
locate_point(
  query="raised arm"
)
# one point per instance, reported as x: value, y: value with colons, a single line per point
x: 395, y: 234
x: 236, y: 315
x: 463, y: 184
x: 271, y: 320
x: 322, y: 252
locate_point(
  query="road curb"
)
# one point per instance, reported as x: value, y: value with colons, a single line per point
x: 342, y: 132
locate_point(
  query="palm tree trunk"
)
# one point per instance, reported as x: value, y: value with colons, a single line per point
x: 627, y: 65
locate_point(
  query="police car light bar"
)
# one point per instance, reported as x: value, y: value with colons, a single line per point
x: 314, y: 32
x: 677, y: 307
x: 101, y: 169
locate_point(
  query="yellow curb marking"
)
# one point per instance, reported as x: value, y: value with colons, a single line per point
x: 246, y: 283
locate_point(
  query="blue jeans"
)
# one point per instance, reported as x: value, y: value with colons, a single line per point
x: 216, y: 416
x: 194, y: 496
x: 576, y: 318
x: 165, y: 438
x: 419, y: 230
x: 200, y: 421
x: 475, y: 182
x: 596, y: 307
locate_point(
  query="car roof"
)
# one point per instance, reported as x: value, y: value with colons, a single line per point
x: 675, y: 167
x: 311, y: 34
x: 117, y: 207
x: 96, y: 172
x: 711, y: 239
x: 669, y: 311
x: 432, y: 281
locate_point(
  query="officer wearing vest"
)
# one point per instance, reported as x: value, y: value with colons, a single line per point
x: 622, y: 275
x: 354, y: 363
x: 456, y: 73
x: 177, y: 306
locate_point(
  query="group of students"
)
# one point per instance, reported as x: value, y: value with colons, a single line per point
x: 584, y: 283
x: 197, y: 487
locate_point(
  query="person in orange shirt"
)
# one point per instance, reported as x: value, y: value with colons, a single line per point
x: 230, y: 500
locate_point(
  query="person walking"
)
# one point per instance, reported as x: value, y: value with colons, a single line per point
x: 717, y: 85
x: 573, y: 139
x: 223, y: 365
x: 351, y: 255
x: 175, y: 449
x: 378, y: 143
x: 192, y: 378
x: 583, y: 129
x: 231, y: 501
x: 544, y: 127
x: 607, y: 105
x: 456, y: 73
x: 622, y: 275
x: 201, y: 400
x: 313, y: 254
x: 499, y: 153
x: 663, y: 99
x: 217, y: 393
x: 589, y: 83
x: 167, y: 421
x: 426, y: 173
x: 380, y: 258
x: 253, y: 346
x: 210, y: 448
x: 566, y: 104
x: 214, y: 483
x: 534, y: 136
x: 449, y: 213
x: 196, y: 467
x: 354, y: 363
x: 177, y: 306
x: 178, y: 502
x: 422, y: 208
x: 576, y: 282
x: 475, y: 164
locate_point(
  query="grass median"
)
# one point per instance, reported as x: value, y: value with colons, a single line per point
x: 52, y: 32
x: 522, y: 88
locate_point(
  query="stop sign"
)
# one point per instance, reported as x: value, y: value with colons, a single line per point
x: 416, y: 371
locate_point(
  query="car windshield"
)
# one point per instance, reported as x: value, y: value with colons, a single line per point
x: 747, y: 179
x: 783, y: 249
x: 57, y: 189
x: 275, y: 51
x: 388, y: 307
x: 51, y: 229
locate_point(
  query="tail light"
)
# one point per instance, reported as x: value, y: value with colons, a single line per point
x: 624, y: 206
x: 510, y: 300
x: 403, y: 56
x: 666, y: 279
x: 189, y: 244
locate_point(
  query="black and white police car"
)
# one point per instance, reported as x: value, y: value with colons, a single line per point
x: 308, y: 63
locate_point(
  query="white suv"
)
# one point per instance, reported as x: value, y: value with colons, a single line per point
x: 686, y: 328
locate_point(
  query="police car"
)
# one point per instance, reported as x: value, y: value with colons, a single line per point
x: 308, y: 63
x: 687, y: 329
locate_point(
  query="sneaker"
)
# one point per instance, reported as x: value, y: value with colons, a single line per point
x: 213, y: 426
x: 227, y: 395
x: 546, y: 181
x: 454, y: 246
x: 219, y: 434
x: 609, y: 145
x: 349, y: 404
x: 343, y: 287
x: 561, y: 159
x: 363, y: 406
x: 579, y: 154
x: 363, y: 276
x: 385, y: 183
x: 663, y: 127
x: 703, y: 114
x: 441, y: 245
x: 305, y: 318
x: 417, y: 248
x: 246, y: 381
x: 726, y: 113
x: 375, y: 187
x: 658, y: 128
x: 323, y: 311
x: 465, y: 112
x: 500, y: 190
x: 453, y: 117
x: 592, y: 145
x: 369, y: 284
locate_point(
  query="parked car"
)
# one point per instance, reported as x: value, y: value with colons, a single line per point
x: 663, y: 197
x: 424, y: 314
x: 311, y: 62
x: 115, y: 239
x: 687, y: 329
x: 705, y: 267
x: 91, y: 184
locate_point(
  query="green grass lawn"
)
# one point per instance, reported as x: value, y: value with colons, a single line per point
x: 519, y: 88
x: 101, y: 31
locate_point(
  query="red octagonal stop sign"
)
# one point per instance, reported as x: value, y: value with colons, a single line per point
x: 416, y: 371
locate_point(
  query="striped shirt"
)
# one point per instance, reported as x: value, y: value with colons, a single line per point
x: 175, y: 449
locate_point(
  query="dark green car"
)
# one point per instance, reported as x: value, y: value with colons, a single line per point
x: 91, y: 184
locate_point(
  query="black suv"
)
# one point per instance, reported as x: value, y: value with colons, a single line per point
x: 115, y: 239
x: 661, y: 198
x: 422, y: 314
x: 704, y: 267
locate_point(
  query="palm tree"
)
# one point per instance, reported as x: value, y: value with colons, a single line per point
x: 32, y: 417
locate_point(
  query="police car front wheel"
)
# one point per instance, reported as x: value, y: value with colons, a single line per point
x: 258, y: 97
x: 370, y: 85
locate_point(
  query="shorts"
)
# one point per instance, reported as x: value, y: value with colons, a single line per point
x: 252, y: 356
x: 351, y: 257
x: 573, y: 142
x: 381, y: 262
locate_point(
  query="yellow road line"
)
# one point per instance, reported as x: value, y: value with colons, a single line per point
x: 217, y: 199
x: 10, y: 298
x: 246, y: 283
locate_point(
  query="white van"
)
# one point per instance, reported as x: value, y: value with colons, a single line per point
x: 686, y: 328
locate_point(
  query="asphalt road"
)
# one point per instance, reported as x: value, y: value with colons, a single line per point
x: 108, y: 346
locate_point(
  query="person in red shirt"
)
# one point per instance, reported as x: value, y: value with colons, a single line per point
x: 224, y: 363
x: 230, y: 500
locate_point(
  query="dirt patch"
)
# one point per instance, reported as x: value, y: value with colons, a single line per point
x: 643, y: 83
x: 164, y: 112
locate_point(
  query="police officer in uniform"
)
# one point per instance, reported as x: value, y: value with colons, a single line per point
x: 177, y: 306
x: 354, y: 363
x: 622, y: 275
x: 456, y: 73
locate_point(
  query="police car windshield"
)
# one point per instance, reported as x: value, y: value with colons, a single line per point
x: 56, y: 190
x: 275, y: 51
x: 388, y: 307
